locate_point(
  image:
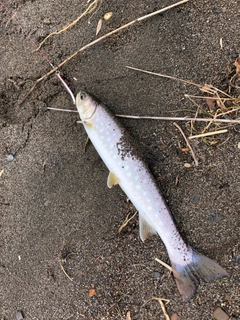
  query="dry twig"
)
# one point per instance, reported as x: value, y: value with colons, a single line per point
x: 230, y: 121
x: 160, y: 300
x: 61, y: 266
x: 126, y: 221
x: 208, y: 134
x: 188, y: 144
x: 164, y: 264
x: 92, y: 6
x: 206, y: 88
x: 1, y: 172
x: 165, y: 76
x: 64, y: 110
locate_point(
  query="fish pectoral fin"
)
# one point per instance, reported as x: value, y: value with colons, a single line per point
x: 112, y: 180
x: 145, y: 230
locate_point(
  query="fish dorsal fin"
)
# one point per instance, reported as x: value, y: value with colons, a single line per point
x: 112, y: 180
x: 145, y: 230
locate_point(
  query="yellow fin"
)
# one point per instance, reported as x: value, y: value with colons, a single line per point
x: 112, y: 180
x: 145, y: 230
x: 88, y: 124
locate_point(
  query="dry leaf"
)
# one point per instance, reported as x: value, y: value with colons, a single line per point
x: 1, y: 172
x: 185, y: 149
x: 128, y: 317
x: 211, y: 103
x: 238, y: 145
x: 107, y: 15
x: 91, y: 292
x: 237, y: 65
x: 99, y: 26
x: 174, y: 316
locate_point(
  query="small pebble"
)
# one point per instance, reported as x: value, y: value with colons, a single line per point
x: 157, y: 275
x: 47, y: 21
x: 10, y: 157
x: 107, y: 15
x: 187, y: 165
x: 219, y: 314
x: 19, y: 315
x: 196, y: 198
x: 234, y: 55
x: 215, y: 218
x: 217, y: 10
x: 235, y: 258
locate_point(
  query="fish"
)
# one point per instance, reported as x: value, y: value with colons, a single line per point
x: 127, y: 168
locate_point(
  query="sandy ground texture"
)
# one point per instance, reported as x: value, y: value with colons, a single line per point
x: 56, y: 212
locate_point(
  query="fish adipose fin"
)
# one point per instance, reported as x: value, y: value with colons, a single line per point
x: 145, y: 230
x: 201, y: 268
x: 112, y: 180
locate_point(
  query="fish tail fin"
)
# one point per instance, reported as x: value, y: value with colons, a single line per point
x: 187, y: 276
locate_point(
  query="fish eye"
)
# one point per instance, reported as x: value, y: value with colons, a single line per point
x: 82, y: 95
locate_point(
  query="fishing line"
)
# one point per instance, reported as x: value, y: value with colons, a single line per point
x: 43, y: 54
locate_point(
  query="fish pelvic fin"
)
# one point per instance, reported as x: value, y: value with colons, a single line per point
x: 112, y: 180
x: 188, y: 276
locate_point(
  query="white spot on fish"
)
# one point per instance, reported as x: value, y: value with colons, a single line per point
x: 129, y: 174
x: 149, y: 208
x: 138, y: 186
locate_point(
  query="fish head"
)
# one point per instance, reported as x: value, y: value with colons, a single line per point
x: 86, y: 106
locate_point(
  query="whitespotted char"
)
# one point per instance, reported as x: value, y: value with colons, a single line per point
x: 127, y: 168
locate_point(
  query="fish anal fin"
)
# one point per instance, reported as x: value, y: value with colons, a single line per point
x: 112, y: 180
x: 145, y: 230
